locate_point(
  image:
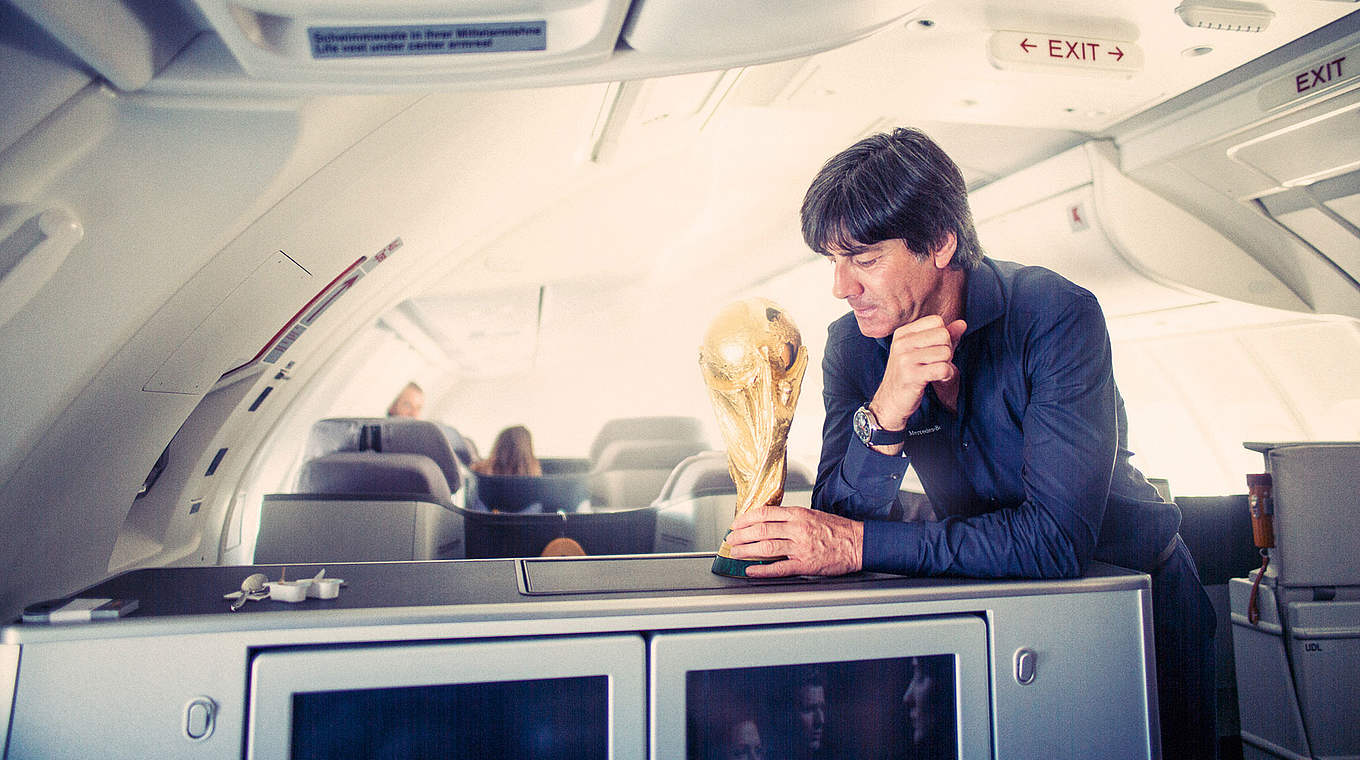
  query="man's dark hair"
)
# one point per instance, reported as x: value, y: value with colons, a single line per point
x: 886, y: 187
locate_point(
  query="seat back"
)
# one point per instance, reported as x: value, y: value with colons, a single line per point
x: 706, y: 474
x: 368, y: 472
x: 631, y: 473
x: 387, y: 435
x: 545, y: 493
x: 492, y: 534
x: 1317, y: 506
x: 696, y: 506
x: 685, y: 429
x: 297, y: 528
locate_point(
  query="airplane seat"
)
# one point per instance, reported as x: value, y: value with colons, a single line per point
x: 1296, y: 631
x: 361, y: 506
x: 539, y: 493
x: 496, y: 534
x: 380, y: 489
x: 367, y: 472
x: 564, y: 465
x: 661, y: 428
x: 464, y: 448
x: 706, y: 473
x: 698, y: 501
x: 631, y: 473
x: 389, y: 435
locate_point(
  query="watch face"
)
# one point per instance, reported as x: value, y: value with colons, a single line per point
x: 861, y: 424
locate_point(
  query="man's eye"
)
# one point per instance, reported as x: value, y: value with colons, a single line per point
x: 866, y: 263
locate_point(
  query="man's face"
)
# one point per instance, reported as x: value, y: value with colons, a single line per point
x: 919, y: 701
x: 407, y: 404
x: 887, y: 285
x: 812, y: 714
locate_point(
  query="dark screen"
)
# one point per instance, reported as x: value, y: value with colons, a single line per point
x: 871, y: 709
x: 552, y: 719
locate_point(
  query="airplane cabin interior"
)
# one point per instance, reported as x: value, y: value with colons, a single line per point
x: 232, y: 232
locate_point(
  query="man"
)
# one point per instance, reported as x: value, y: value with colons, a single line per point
x: 409, y: 403
x: 928, y: 708
x: 809, y: 704
x: 995, y: 382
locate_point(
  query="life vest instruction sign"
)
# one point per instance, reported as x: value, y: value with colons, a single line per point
x: 426, y: 39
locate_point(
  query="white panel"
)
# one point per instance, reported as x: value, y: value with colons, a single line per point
x: 1324, y: 233
x: 1347, y: 208
x: 276, y: 288
x: 107, y: 35
x: 1064, y: 234
x: 412, y: 42
x: 32, y: 249
x: 1194, y: 398
x: 1309, y: 151
x: 718, y: 29
x: 1164, y: 241
x: 1315, y: 364
x: 9, y: 677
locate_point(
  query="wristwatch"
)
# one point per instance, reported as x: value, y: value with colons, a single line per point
x: 866, y: 427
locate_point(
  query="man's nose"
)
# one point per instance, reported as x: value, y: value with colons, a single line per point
x: 843, y: 282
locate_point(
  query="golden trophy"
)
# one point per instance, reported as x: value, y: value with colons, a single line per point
x: 753, y: 361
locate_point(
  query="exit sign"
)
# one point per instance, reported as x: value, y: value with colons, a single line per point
x: 1064, y: 54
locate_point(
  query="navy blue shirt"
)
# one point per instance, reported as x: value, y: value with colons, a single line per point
x: 1032, y: 475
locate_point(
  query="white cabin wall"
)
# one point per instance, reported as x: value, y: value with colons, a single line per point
x: 159, y: 187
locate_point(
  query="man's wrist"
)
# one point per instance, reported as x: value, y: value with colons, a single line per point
x: 886, y: 420
x: 872, y: 434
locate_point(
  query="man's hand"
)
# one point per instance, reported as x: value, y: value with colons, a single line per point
x: 922, y: 352
x: 815, y: 543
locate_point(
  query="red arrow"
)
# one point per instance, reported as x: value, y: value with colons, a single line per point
x: 1117, y: 53
x: 1025, y: 45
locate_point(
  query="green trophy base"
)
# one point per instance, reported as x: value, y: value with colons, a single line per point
x: 735, y: 568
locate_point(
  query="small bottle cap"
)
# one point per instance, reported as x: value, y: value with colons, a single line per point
x: 1256, y: 480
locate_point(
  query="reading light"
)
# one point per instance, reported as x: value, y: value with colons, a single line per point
x: 1228, y: 15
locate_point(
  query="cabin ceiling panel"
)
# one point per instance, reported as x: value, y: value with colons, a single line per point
x: 937, y: 63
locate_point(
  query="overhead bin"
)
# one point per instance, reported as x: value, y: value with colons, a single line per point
x: 311, y: 45
x: 1137, y: 251
x: 350, y: 41
x: 1270, y: 161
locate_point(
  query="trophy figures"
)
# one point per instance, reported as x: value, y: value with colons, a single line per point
x: 753, y: 360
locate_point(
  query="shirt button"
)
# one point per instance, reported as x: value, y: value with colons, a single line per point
x: 894, y: 476
x: 965, y: 444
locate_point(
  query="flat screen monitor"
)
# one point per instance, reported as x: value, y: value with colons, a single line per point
x: 573, y: 698
x: 883, y: 689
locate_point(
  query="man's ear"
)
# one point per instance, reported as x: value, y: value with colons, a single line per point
x: 945, y: 253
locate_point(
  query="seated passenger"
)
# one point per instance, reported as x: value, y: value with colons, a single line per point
x: 511, y: 454
x: 409, y: 403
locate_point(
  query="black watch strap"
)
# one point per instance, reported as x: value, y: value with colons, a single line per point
x: 868, y: 431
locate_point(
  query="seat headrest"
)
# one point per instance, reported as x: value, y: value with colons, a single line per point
x: 368, y: 472
x: 706, y: 474
x: 645, y: 455
x: 386, y: 435
x: 647, y: 428
x: 514, y: 493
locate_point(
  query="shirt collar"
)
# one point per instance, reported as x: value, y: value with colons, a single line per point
x: 985, y: 301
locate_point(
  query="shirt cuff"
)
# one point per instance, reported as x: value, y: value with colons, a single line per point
x: 878, y: 477
x: 891, y: 547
